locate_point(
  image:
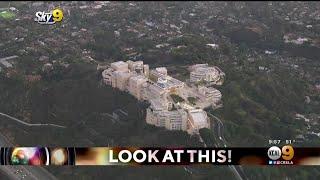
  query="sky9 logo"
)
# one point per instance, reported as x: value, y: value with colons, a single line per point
x: 49, y: 17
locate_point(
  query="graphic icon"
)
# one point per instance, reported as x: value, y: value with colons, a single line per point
x: 274, y: 152
x: 29, y: 156
x: 49, y: 17
x: 287, y: 152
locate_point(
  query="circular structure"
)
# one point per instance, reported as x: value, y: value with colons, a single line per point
x: 274, y: 152
x: 59, y: 156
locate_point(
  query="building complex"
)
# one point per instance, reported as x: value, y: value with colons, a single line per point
x: 203, y: 72
x: 173, y: 104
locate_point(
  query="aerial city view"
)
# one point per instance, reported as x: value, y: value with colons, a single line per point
x: 170, y: 74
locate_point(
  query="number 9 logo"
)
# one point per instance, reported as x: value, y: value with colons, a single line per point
x: 287, y: 152
x: 57, y: 15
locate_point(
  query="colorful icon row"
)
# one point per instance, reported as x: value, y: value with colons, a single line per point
x: 37, y: 156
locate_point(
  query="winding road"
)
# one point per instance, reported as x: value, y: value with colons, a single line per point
x: 217, y: 128
x: 28, y: 124
x: 218, y: 132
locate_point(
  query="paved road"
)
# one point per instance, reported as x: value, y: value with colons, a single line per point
x: 217, y: 128
x: 28, y: 124
x: 218, y: 131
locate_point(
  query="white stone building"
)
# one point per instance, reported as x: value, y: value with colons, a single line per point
x: 153, y: 91
x: 120, y: 66
x: 146, y: 70
x: 203, y: 72
x: 119, y: 79
x: 162, y: 70
x: 160, y: 116
x: 197, y: 119
x: 106, y: 76
x: 210, y: 93
x: 136, y: 85
x: 136, y: 66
